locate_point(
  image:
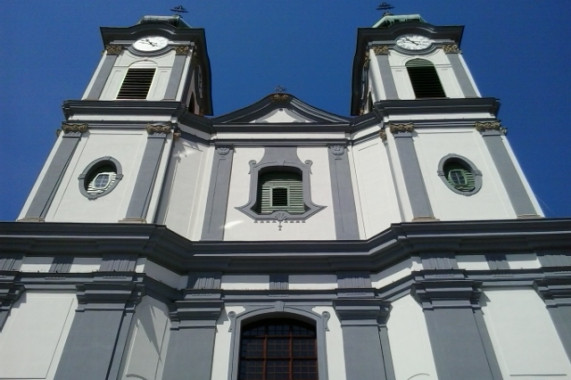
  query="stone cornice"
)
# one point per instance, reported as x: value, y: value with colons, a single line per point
x: 178, y: 254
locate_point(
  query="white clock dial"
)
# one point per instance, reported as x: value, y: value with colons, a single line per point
x: 151, y: 43
x: 414, y: 42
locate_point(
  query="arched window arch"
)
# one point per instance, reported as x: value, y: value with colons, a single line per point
x: 137, y: 81
x: 424, y: 79
x: 278, y: 348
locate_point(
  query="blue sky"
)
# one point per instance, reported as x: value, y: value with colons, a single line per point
x: 518, y: 51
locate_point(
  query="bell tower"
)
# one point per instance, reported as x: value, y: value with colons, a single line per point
x: 448, y: 153
x: 115, y: 143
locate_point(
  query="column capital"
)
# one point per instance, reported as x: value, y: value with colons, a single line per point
x: 193, y: 313
x: 362, y: 311
x: 446, y: 293
x: 108, y: 293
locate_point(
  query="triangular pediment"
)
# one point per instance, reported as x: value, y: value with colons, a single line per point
x: 280, y: 108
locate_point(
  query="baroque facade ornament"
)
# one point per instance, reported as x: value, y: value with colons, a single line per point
x: 383, y: 135
x: 182, y: 50
x: 113, y: 49
x: 483, y: 126
x: 401, y: 128
x: 381, y: 50
x: 152, y: 129
x: 71, y: 128
x: 451, y: 48
x: 337, y: 150
x: 280, y: 97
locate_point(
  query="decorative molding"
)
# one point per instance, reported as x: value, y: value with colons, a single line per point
x: 485, y: 126
x: 71, y: 128
x: 182, y: 50
x: 223, y: 150
x: 381, y: 50
x: 113, y: 49
x: 158, y: 128
x: 383, y: 135
x: 401, y: 128
x: 451, y: 49
x: 280, y: 97
x: 438, y: 289
x: 118, y: 292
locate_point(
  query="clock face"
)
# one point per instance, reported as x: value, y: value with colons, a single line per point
x: 414, y: 42
x: 152, y: 43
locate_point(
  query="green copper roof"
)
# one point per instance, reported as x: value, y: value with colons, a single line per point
x: 388, y: 20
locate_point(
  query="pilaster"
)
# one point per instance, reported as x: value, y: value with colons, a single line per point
x: 98, y: 335
x: 414, y: 182
x: 191, y: 345
x: 365, y: 337
x: 460, y: 342
x: 555, y: 289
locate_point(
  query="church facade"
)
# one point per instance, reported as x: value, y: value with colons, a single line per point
x: 281, y: 241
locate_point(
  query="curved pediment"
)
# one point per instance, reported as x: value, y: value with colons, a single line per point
x: 280, y: 108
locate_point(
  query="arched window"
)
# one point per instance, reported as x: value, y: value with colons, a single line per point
x: 424, y: 79
x: 280, y: 190
x: 137, y: 82
x: 278, y: 349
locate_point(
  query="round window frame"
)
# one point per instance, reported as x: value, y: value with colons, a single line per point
x: 466, y: 162
x: 88, y: 173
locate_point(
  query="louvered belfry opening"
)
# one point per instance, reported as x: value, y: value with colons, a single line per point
x: 278, y: 349
x: 280, y: 190
x: 136, y: 84
x: 424, y: 79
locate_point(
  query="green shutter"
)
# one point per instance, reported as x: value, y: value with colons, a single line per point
x: 280, y: 191
x: 459, y: 177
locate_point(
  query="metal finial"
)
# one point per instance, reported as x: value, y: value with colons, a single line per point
x: 280, y: 90
x: 179, y: 9
x: 384, y: 6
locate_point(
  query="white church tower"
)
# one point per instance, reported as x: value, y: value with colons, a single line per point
x: 281, y: 241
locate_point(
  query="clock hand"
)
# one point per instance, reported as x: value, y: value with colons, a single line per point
x: 409, y: 40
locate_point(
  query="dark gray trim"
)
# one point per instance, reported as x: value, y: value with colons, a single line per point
x: 217, y: 201
x: 365, y: 340
x: 144, y: 185
x: 102, y: 76
x: 278, y: 158
x: 175, y: 77
x: 387, y: 77
x: 279, y: 281
x: 555, y: 289
x: 283, y: 310
x: 61, y: 264
x: 462, y: 76
x: 10, y: 292
x: 497, y: 261
x: 473, y: 169
x: 344, y: 210
x: 413, y: 179
x: 180, y: 255
x: 45, y: 193
x: 455, y: 337
x: 511, y: 179
x: 418, y: 107
x: 191, y: 343
x: 88, y: 171
x: 100, y: 328
x: 204, y: 281
x: 118, y: 263
x: 559, y: 258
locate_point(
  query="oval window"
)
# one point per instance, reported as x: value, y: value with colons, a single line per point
x: 100, y: 177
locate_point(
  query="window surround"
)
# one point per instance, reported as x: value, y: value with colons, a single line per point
x: 280, y: 159
x: 90, y: 172
x: 464, y: 162
x: 279, y: 310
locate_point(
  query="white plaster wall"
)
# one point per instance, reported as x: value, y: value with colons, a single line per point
x: 85, y: 264
x: 379, y: 205
x: 472, y: 262
x: 312, y: 281
x: 523, y: 261
x: 69, y: 205
x: 148, y: 341
x: 245, y: 282
x: 410, y: 344
x: 161, y: 274
x: 163, y: 65
x: 320, y: 226
x: 397, y: 176
x: 94, y: 76
x: 32, y: 340
x: 525, y: 340
x: 334, y: 345
x: 186, y: 188
x: 491, y: 202
x: 36, y: 264
x: 223, y: 344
